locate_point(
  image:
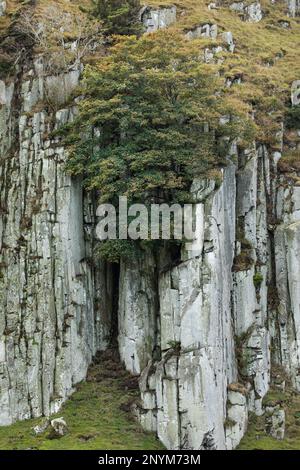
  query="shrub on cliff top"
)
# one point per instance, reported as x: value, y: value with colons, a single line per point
x: 119, y: 16
x: 151, y: 121
x: 293, y: 118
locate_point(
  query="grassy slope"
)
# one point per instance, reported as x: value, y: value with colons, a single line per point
x: 257, y: 439
x: 256, y: 42
x: 93, y: 415
x: 14, y: 6
x: 266, y: 56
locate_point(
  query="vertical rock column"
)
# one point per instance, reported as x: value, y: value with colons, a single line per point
x: 137, y: 318
x: 47, y: 316
x: 286, y: 327
x: 251, y: 275
x: 185, y: 393
x: 287, y: 251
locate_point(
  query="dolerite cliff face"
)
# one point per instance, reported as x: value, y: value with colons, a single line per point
x: 204, y: 330
x: 49, y: 326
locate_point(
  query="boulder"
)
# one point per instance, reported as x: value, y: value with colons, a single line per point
x: 2, y: 8
x: 59, y: 427
x: 295, y: 93
x: 275, y: 422
x: 42, y: 427
x: 227, y: 37
x: 293, y: 7
x: 251, y: 13
x: 154, y: 19
x: 203, y: 30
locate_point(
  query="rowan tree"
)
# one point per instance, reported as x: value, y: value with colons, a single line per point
x: 151, y: 122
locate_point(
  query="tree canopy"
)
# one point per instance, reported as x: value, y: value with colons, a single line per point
x: 119, y: 16
x: 151, y: 122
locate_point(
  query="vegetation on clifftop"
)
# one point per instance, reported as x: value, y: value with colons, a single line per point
x: 150, y: 120
x: 118, y: 16
x: 264, y: 64
x: 153, y: 118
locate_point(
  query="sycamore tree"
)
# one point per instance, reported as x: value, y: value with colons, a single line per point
x: 151, y: 122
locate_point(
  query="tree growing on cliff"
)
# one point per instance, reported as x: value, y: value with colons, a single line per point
x: 151, y: 121
x: 119, y: 16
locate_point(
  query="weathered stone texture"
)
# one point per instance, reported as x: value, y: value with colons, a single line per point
x: 199, y: 330
x: 48, y: 327
x: 154, y: 19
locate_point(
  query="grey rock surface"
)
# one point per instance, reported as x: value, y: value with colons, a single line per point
x: 3, y: 6
x: 59, y: 427
x: 154, y: 19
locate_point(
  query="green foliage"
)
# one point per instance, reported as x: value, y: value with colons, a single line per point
x: 119, y: 16
x: 258, y: 279
x: 292, y: 120
x: 113, y: 250
x: 150, y: 122
x: 274, y: 397
x: 290, y: 162
x: 175, y: 345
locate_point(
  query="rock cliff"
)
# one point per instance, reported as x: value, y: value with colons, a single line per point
x: 204, y: 331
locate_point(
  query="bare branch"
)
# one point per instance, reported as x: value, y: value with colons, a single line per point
x: 63, y: 38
